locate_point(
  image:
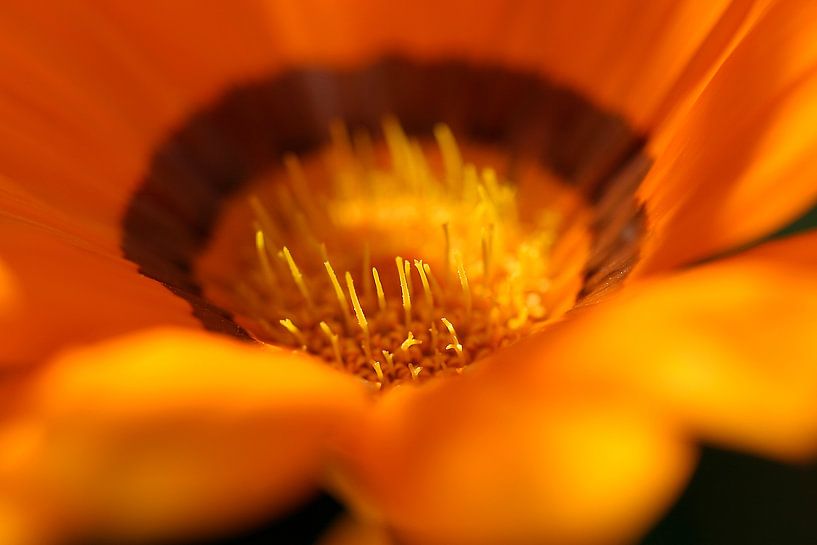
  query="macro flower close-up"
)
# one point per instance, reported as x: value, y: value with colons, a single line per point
x: 408, y: 273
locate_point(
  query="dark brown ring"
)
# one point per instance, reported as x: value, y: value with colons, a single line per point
x: 220, y: 148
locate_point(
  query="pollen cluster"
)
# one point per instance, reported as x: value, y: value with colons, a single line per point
x: 400, y: 262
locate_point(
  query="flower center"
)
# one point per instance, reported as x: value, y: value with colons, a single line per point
x: 397, y: 262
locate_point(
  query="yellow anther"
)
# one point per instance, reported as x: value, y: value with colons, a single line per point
x: 296, y: 275
x: 263, y: 258
x: 456, y: 345
x: 338, y: 290
x: 333, y: 340
x: 452, y: 160
x: 389, y: 359
x: 424, y: 279
x: 404, y: 289
x: 378, y: 370
x: 292, y: 328
x: 466, y: 288
x: 409, y: 342
x: 381, y: 297
x: 361, y: 318
x: 415, y: 370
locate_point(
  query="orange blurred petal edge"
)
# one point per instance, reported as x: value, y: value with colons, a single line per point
x: 727, y: 348
x: 169, y: 432
x: 481, y: 461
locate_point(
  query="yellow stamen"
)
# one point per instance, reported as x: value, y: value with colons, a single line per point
x: 378, y: 370
x: 494, y: 263
x: 292, y: 328
x: 263, y: 258
x: 409, y: 342
x: 466, y: 288
x: 424, y: 280
x: 435, y: 287
x: 415, y: 370
x: 296, y: 275
x: 389, y: 359
x: 361, y: 318
x: 333, y: 339
x: 456, y: 345
x: 409, y: 285
x: 404, y: 289
x: 381, y: 297
x: 338, y: 290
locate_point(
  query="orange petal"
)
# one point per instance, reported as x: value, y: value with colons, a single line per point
x: 9, y: 291
x: 625, y: 54
x: 89, y: 91
x: 470, y: 461
x: 739, y: 163
x: 67, y: 291
x: 728, y: 348
x: 171, y: 432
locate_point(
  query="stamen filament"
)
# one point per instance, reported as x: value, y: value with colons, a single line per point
x: 466, y: 288
x: 389, y: 359
x: 344, y: 309
x: 296, y: 275
x: 361, y: 318
x: 415, y: 370
x: 378, y: 370
x: 297, y: 333
x: 409, y: 342
x: 381, y: 297
x: 456, y: 345
x: 424, y: 279
x: 333, y: 340
x: 263, y: 258
x: 404, y: 289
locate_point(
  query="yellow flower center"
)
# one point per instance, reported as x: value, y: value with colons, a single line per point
x: 395, y: 262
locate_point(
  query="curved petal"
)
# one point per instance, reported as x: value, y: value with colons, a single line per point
x: 625, y: 54
x: 480, y: 461
x: 739, y: 163
x: 170, y: 432
x: 65, y: 291
x: 728, y: 348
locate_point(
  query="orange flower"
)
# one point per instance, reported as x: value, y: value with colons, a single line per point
x: 663, y: 135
